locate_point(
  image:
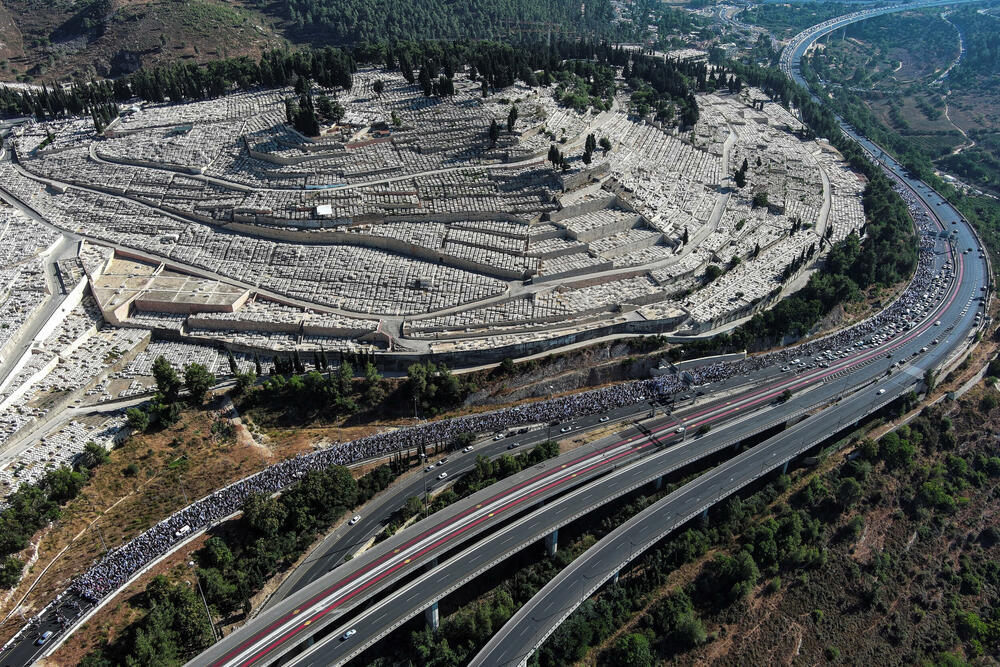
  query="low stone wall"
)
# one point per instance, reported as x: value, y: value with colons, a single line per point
x: 388, y: 244
x: 705, y: 361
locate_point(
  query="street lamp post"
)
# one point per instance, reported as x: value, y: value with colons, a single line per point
x: 211, y: 623
x: 100, y: 533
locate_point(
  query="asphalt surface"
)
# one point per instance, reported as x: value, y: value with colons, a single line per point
x: 349, y: 539
x: 352, y: 538
x: 380, y: 618
x: 536, y: 620
x: 322, y: 604
x: 957, y: 322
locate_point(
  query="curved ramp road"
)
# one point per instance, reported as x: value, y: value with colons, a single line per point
x: 540, y: 617
x: 505, y: 517
x: 290, y: 624
x: 380, y: 618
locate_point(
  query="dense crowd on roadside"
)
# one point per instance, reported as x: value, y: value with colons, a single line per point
x: 120, y: 564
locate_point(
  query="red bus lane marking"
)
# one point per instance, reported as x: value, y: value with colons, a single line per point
x: 848, y: 363
x: 336, y: 603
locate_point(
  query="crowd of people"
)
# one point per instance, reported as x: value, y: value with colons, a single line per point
x: 121, y: 563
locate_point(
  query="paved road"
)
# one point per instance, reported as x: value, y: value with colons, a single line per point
x: 348, y: 539
x: 380, y: 618
x: 327, y: 602
x: 537, y: 619
x: 956, y: 315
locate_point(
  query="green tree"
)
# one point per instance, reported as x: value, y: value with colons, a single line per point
x: 63, y: 484
x: 244, y: 382
x: 494, y: 132
x: 167, y: 381
x: 848, y: 492
x: 137, y: 419
x: 264, y: 514
x: 712, y: 271
x: 633, y: 650
x: 760, y: 199
x: 92, y: 456
x: 10, y: 572
x: 198, y: 380
x: 374, y: 393
x: 345, y: 378
x: 511, y: 118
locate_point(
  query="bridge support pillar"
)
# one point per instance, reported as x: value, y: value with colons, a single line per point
x: 784, y: 468
x: 658, y: 483
x: 432, y: 616
x: 614, y: 579
x: 704, y: 515
x: 552, y: 543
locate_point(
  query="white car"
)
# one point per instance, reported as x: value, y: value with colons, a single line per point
x: 468, y: 449
x: 428, y: 468
x: 565, y: 429
x: 679, y: 429
x: 442, y: 475
x: 347, y: 635
x: 881, y: 391
x: 604, y: 419
x: 357, y: 517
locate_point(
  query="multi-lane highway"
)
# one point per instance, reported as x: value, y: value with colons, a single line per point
x: 537, y: 619
x: 350, y: 538
x: 575, y: 484
x: 393, y: 581
x: 621, y: 465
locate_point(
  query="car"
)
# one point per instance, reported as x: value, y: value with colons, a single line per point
x: 785, y: 369
x: 513, y: 445
x: 679, y: 429
x: 938, y: 323
x: 442, y: 461
x: 935, y: 341
x: 881, y: 391
x: 923, y: 349
x: 442, y: 475
x: 357, y: 517
x: 347, y: 635
x: 889, y: 355
x: 428, y: 468
x: 44, y: 637
x: 566, y: 429
x: 468, y: 449
x: 498, y: 436
x: 604, y: 419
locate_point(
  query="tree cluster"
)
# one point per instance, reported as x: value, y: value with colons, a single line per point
x: 165, y: 407
x: 33, y: 506
x: 273, y: 531
x: 174, y: 627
